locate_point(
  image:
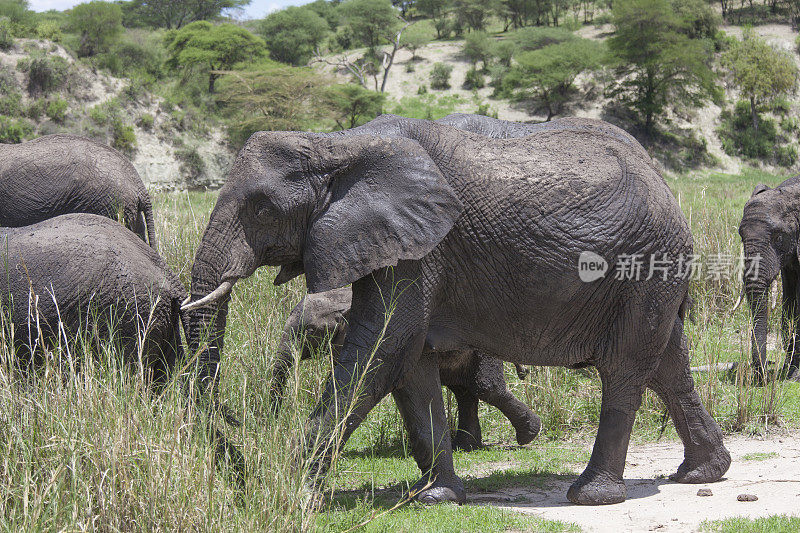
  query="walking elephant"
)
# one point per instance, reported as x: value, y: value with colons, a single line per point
x: 455, y: 239
x: 60, y: 174
x: 770, y: 234
x: 470, y: 374
x: 80, y: 273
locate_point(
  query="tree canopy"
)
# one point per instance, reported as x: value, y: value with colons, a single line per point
x: 97, y: 23
x: 177, y: 13
x: 658, y: 63
x: 292, y: 34
x: 371, y: 21
x: 213, y: 48
x: 760, y: 71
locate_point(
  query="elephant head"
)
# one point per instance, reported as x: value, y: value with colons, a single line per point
x: 333, y: 207
x: 770, y: 231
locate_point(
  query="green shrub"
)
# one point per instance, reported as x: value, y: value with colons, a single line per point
x: 57, y: 110
x: 46, y: 73
x: 740, y: 138
x: 6, y: 34
x: 146, y: 121
x: 423, y: 89
x: 786, y: 155
x: 789, y: 124
x: 780, y: 105
x: 503, y: 51
x: 477, y: 48
x: 49, y: 30
x: 8, y: 82
x: 192, y: 164
x: 440, y: 76
x: 473, y: 79
x: 14, y: 130
x: 129, y: 56
x: 534, y: 38
x: 11, y: 104
x: 123, y: 137
x: 36, y: 108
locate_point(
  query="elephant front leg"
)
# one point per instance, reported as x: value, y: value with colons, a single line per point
x: 421, y: 406
x: 601, y: 482
x: 790, y: 322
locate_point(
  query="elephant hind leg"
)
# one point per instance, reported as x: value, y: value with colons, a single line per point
x: 705, y: 457
x: 468, y: 435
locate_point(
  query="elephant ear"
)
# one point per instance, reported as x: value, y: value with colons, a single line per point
x: 759, y: 189
x: 386, y: 201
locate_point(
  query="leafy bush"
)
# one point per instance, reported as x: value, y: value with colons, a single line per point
x: 790, y: 124
x: 473, y: 79
x: 477, y: 47
x: 503, y: 51
x: 46, y: 73
x: 11, y: 104
x: 49, y: 30
x: 98, y: 24
x: 440, y: 76
x: 786, y: 155
x: 123, y: 137
x: 192, y: 164
x: 740, y: 137
x: 129, y: 56
x: 146, y: 121
x: 6, y: 34
x: 36, y: 108
x: 57, y: 110
x: 14, y: 130
x: 538, y: 37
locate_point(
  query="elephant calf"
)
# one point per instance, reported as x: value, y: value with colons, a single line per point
x: 770, y: 234
x: 470, y: 374
x: 81, y: 270
x: 60, y: 174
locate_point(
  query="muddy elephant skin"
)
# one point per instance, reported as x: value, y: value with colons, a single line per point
x: 61, y: 174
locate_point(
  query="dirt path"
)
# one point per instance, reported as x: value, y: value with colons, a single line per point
x: 656, y: 504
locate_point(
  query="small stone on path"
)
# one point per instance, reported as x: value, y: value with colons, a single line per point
x: 705, y: 492
x: 747, y: 497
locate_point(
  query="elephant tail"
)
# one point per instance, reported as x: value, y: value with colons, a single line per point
x: 146, y: 210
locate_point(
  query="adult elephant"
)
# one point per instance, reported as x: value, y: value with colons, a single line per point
x: 60, y: 174
x: 74, y: 274
x: 467, y: 240
x: 470, y: 374
x: 770, y: 234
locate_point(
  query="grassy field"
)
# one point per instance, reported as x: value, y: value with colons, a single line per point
x: 95, y: 451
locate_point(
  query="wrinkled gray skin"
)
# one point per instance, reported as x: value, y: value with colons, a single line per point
x: 471, y: 375
x: 476, y: 243
x: 59, y: 174
x: 770, y: 229
x: 92, y: 267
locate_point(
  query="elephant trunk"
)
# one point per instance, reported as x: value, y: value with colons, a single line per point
x: 756, y: 288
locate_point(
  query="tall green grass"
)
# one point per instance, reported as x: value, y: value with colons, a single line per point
x: 97, y: 450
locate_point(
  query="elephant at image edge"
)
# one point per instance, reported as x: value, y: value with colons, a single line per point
x: 60, y: 174
x: 471, y: 375
x: 64, y: 270
x: 475, y: 241
x: 770, y: 232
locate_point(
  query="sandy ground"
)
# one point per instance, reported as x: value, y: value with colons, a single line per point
x: 656, y: 504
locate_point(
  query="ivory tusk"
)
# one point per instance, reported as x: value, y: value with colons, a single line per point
x: 211, y: 298
x: 186, y: 301
x: 738, y: 302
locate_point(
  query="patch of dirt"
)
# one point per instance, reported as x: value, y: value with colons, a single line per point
x: 656, y: 504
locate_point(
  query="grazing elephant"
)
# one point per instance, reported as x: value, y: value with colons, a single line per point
x: 470, y: 374
x: 60, y: 174
x: 66, y: 274
x: 770, y: 233
x: 455, y: 239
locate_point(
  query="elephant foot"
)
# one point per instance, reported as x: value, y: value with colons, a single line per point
x: 439, y: 492
x: 529, y: 430
x: 707, y: 471
x: 593, y: 488
x: 465, y: 442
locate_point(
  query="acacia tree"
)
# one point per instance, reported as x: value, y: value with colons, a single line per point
x: 177, y: 13
x: 213, y: 48
x: 293, y: 34
x: 548, y: 74
x: 352, y: 104
x: 98, y: 23
x: 760, y: 71
x: 658, y: 63
x: 437, y: 11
